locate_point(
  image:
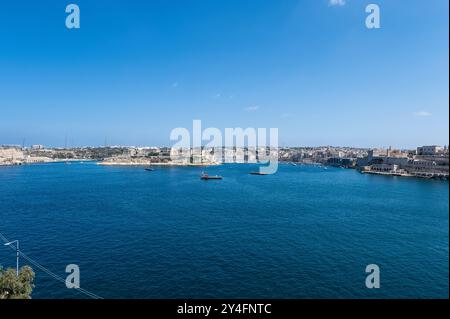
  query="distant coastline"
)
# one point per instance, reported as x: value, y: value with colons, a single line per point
x: 429, y: 162
x: 132, y: 163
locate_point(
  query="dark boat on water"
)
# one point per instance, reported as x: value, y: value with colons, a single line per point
x: 258, y: 173
x: 205, y: 176
x: 150, y: 169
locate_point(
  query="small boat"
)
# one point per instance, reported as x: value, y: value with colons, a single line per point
x: 293, y: 164
x: 150, y: 169
x: 258, y: 173
x: 205, y: 176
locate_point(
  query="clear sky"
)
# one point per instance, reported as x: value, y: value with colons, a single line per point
x: 137, y: 69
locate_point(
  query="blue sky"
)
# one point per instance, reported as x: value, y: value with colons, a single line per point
x: 137, y: 69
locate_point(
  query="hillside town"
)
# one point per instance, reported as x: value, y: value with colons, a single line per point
x: 424, y: 161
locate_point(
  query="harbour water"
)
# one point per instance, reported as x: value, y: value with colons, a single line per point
x: 301, y: 233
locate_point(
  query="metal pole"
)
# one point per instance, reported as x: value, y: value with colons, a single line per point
x: 17, y: 254
x: 17, y: 259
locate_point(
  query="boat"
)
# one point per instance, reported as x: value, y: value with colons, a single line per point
x: 205, y: 176
x: 150, y: 169
x: 293, y: 164
x: 258, y: 173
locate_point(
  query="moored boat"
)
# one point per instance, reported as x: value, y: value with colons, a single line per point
x: 205, y: 176
x: 258, y: 173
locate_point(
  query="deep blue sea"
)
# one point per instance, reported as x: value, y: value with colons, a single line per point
x: 304, y: 232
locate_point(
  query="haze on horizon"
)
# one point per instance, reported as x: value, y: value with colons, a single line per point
x: 134, y: 71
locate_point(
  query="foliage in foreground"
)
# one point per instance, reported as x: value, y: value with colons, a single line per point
x: 13, y: 287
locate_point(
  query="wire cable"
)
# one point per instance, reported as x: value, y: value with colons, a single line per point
x: 49, y: 272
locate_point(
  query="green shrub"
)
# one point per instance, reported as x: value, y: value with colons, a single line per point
x: 16, y: 287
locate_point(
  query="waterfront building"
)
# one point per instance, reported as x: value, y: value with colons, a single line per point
x: 341, y: 162
x: 422, y: 165
x: 430, y: 150
x: 11, y: 155
x: 387, y: 168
